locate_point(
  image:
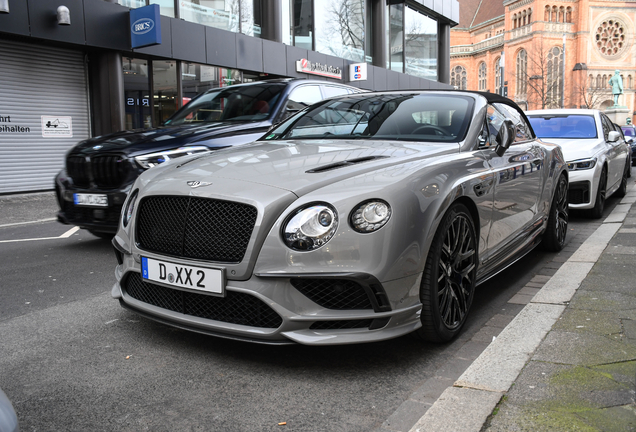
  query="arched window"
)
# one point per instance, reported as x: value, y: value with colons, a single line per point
x: 592, y: 81
x: 554, y: 14
x: 498, y: 75
x: 459, y: 78
x: 522, y: 75
x: 482, y: 77
x: 546, y: 14
x: 562, y: 14
x: 529, y: 15
x: 630, y: 82
x: 605, y: 83
x: 599, y: 83
x: 554, y: 80
x: 568, y: 14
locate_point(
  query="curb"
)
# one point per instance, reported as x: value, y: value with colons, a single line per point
x: 468, y: 403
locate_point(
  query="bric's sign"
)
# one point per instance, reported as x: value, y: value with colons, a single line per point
x: 145, y: 26
x: 314, y: 68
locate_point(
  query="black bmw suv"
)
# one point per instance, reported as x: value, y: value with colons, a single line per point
x: 100, y: 171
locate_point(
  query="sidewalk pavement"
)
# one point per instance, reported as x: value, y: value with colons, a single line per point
x: 567, y: 361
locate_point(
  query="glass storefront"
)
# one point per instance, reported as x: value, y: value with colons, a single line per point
x: 340, y: 29
x: 166, y: 7
x: 137, y: 93
x: 197, y: 78
x: 232, y: 15
x: 412, y: 42
x: 164, y: 89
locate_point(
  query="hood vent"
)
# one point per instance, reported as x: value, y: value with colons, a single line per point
x: 345, y: 163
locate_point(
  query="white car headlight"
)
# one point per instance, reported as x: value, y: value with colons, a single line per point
x: 129, y: 208
x: 370, y: 216
x: 310, y: 227
x: 582, y: 164
x: 153, y: 159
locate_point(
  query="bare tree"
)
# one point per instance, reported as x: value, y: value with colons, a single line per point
x: 589, y: 94
x: 542, y: 76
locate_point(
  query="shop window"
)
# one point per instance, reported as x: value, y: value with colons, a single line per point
x: 232, y: 15
x: 137, y: 100
x: 165, y: 100
x: 166, y: 7
x: 417, y: 33
x: 197, y: 78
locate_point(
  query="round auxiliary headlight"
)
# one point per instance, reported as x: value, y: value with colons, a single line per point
x: 310, y: 227
x: 370, y: 216
x: 129, y: 208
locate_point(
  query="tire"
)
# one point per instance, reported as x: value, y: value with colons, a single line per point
x: 597, y: 211
x: 557, y: 229
x: 622, y: 189
x: 102, y: 235
x: 448, y: 282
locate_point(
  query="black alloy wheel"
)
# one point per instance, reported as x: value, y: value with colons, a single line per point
x: 557, y: 229
x: 597, y: 211
x: 448, y: 282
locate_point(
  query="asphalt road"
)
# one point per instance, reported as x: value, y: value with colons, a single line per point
x: 72, y: 359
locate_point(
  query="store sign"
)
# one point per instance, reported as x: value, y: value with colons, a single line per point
x: 313, y: 68
x: 53, y: 126
x: 145, y: 26
x: 357, y: 72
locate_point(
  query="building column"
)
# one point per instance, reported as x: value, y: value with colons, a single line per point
x: 106, y: 79
x: 443, y: 52
x: 272, y: 25
x: 380, y: 43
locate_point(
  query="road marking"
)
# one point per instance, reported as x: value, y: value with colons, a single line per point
x: 67, y: 234
x: 27, y: 223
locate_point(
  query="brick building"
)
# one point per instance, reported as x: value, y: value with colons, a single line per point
x: 531, y: 37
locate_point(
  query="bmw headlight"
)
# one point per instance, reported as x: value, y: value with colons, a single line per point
x: 582, y: 164
x: 310, y: 227
x: 370, y: 216
x: 153, y: 159
x: 129, y: 208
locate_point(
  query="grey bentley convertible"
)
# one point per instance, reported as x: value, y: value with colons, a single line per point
x: 362, y: 218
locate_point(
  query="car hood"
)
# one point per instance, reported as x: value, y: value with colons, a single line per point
x: 577, y: 148
x: 141, y: 141
x: 295, y: 166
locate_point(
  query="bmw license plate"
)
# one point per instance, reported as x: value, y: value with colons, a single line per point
x: 90, y: 200
x: 196, y: 278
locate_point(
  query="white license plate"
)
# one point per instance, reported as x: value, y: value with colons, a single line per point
x: 196, y: 278
x: 91, y: 200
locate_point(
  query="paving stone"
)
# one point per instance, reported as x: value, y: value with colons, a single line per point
x: 521, y: 298
x: 431, y: 390
x: 499, y: 321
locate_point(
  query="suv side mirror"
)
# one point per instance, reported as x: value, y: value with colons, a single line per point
x: 505, y: 137
x: 613, y: 136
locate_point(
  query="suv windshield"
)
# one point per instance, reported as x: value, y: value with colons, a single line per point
x: 563, y: 126
x: 408, y: 117
x: 238, y: 103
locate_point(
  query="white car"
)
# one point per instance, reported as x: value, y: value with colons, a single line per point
x: 597, y: 156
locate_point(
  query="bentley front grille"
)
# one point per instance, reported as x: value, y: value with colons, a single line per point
x: 234, y: 308
x: 199, y: 228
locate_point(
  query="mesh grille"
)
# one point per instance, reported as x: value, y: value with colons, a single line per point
x: 579, y: 193
x: 195, y: 227
x: 334, y: 293
x: 339, y: 325
x: 77, y: 169
x: 234, y: 308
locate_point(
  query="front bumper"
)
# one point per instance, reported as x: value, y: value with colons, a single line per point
x: 582, y: 189
x: 93, y: 218
x: 274, y: 309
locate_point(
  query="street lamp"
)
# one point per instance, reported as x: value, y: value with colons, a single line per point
x: 502, y: 66
x: 563, y: 75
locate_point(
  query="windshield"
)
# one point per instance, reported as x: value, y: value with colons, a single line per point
x: 408, y: 117
x: 563, y: 126
x: 238, y: 103
x: 628, y: 131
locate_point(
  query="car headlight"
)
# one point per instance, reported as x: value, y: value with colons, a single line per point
x: 310, y: 227
x: 583, y: 164
x: 129, y: 208
x: 370, y: 216
x: 153, y: 159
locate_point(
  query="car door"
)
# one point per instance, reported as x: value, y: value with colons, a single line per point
x: 518, y: 182
x: 615, y: 154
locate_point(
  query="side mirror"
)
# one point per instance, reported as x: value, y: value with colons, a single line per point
x: 505, y: 137
x: 613, y: 136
